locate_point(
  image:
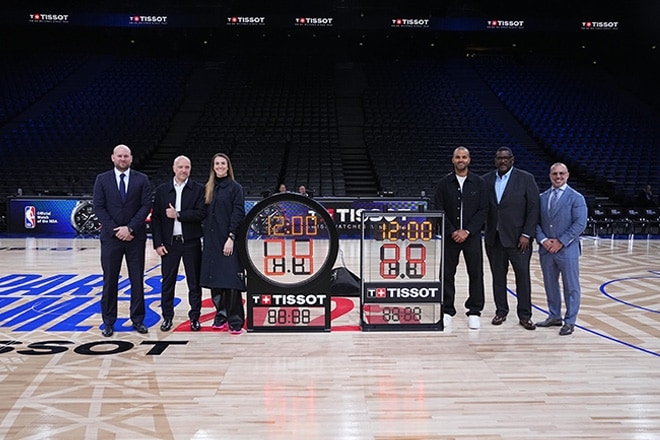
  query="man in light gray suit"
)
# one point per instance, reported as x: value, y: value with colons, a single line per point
x: 563, y: 217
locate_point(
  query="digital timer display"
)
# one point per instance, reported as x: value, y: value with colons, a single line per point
x: 401, y: 313
x: 401, y: 271
x: 288, y: 316
x: 289, y: 241
x: 411, y: 230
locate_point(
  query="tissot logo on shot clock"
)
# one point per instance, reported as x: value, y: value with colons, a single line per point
x: 403, y: 292
x: 291, y: 300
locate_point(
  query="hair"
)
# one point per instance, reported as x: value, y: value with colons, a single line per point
x: 507, y: 149
x: 210, y: 184
x: 462, y: 148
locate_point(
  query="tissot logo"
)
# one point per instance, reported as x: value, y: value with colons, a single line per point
x: 246, y: 21
x: 505, y: 24
x: 410, y: 22
x: 403, y: 292
x: 281, y: 299
x: 314, y: 21
x: 49, y: 18
x: 148, y: 19
x: 600, y: 25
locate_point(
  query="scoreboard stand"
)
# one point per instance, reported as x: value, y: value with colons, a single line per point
x: 288, y: 245
x: 401, y: 271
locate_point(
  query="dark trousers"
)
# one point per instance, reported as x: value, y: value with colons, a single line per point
x: 473, y: 255
x: 190, y: 251
x: 499, y: 258
x: 113, y: 252
x: 229, y: 307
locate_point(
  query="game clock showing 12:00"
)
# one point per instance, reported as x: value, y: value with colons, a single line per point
x: 401, y: 271
x: 288, y: 245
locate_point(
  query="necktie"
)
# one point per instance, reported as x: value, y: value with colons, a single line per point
x: 553, y: 200
x: 122, y: 187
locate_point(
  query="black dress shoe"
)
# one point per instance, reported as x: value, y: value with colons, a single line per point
x: 498, y: 319
x: 550, y: 322
x: 140, y: 328
x: 195, y: 325
x: 527, y: 324
x: 567, y: 329
x: 166, y: 325
x: 108, y: 331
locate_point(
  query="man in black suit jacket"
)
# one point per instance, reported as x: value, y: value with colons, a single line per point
x: 463, y: 196
x: 176, y: 225
x: 122, y: 200
x: 510, y: 227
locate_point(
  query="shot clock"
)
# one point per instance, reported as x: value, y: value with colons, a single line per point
x: 401, y: 271
x: 288, y: 245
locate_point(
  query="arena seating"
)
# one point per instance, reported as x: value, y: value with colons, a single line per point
x: 277, y: 118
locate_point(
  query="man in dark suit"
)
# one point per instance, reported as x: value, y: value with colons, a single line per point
x: 176, y: 225
x: 122, y: 200
x: 463, y: 196
x: 510, y: 227
x: 563, y: 217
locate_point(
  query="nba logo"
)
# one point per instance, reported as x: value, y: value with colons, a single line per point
x: 30, y: 217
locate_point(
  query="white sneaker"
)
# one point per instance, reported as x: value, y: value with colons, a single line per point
x: 446, y: 320
x: 474, y: 322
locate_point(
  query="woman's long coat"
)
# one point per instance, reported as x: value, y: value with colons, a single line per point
x: 224, y: 215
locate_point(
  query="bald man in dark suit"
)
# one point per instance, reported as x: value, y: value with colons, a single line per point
x: 122, y: 201
x: 510, y: 227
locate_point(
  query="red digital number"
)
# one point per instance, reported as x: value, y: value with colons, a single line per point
x: 389, y: 264
x: 390, y: 254
x: 416, y: 260
x: 274, y: 263
x: 302, y: 252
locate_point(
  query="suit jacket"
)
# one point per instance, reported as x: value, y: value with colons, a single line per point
x: 112, y: 212
x: 474, y: 199
x: 517, y: 212
x: 565, y: 224
x: 191, y: 214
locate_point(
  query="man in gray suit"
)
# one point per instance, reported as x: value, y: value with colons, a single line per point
x: 510, y: 226
x: 563, y: 217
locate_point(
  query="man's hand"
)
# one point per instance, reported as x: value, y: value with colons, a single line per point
x: 523, y: 243
x: 553, y: 245
x: 161, y: 251
x: 123, y: 233
x: 170, y: 211
x: 460, y: 235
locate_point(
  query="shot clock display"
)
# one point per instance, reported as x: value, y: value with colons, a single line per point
x: 288, y: 245
x: 401, y: 271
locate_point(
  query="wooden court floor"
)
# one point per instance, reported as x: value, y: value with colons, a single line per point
x: 60, y: 379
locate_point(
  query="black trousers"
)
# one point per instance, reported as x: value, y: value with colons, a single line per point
x: 229, y: 307
x: 190, y: 251
x: 113, y: 252
x: 499, y: 258
x: 473, y: 255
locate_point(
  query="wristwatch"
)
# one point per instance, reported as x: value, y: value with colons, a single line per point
x: 232, y: 236
x: 83, y: 219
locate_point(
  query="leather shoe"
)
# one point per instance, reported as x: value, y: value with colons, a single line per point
x: 498, y: 319
x: 108, y: 331
x: 527, y: 324
x: 166, y: 325
x: 195, y: 325
x: 566, y: 329
x: 140, y: 328
x: 550, y: 322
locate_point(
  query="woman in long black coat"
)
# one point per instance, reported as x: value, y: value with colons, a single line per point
x: 222, y: 271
